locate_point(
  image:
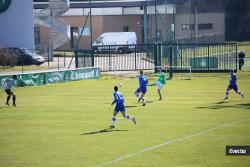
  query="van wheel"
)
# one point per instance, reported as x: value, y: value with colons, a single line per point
x: 120, y: 50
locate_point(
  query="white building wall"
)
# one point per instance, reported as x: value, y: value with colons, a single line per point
x: 16, y: 25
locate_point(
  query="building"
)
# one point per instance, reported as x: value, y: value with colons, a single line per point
x: 184, y: 21
x: 17, y: 28
x: 191, y: 25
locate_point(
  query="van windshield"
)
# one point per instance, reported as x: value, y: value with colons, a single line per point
x: 99, y: 40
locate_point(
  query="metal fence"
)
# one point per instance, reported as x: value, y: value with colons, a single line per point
x: 180, y: 57
x: 12, y: 61
x: 200, y: 57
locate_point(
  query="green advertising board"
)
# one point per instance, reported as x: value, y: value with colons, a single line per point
x: 35, y: 79
x: 42, y: 78
x: 204, y: 62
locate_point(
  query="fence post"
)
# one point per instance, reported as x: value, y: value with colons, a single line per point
x: 109, y: 67
x: 208, y: 59
x: 48, y: 57
x: 181, y: 57
x: 159, y: 54
x: 22, y: 63
x: 92, y: 58
x: 171, y: 63
x: 135, y: 58
x: 155, y: 57
x: 76, y: 58
x: 58, y: 66
x: 236, y: 56
x: 64, y: 61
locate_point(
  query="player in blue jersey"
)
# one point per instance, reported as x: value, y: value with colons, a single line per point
x: 233, y: 85
x: 143, y: 81
x: 8, y: 86
x: 119, y: 107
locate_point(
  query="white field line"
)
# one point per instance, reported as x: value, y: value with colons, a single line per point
x: 170, y: 142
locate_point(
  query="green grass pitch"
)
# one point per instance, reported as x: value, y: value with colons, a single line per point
x: 64, y: 125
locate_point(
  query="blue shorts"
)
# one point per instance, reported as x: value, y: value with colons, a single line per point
x: 233, y: 86
x: 142, y: 90
x: 8, y: 91
x: 119, y: 107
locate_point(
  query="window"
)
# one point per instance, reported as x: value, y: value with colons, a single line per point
x: 37, y: 35
x: 187, y: 27
x: 74, y: 36
x: 99, y: 40
x: 125, y: 28
x: 206, y: 26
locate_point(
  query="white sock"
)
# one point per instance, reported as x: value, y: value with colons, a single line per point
x: 129, y: 117
x: 113, y: 121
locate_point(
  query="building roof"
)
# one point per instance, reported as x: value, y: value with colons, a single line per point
x: 182, y: 6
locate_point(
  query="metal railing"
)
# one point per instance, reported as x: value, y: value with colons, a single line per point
x: 219, y: 57
x: 201, y: 57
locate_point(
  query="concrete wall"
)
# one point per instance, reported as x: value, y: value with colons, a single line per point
x: 78, y: 21
x: 103, y: 24
x: 116, y: 23
x: 217, y: 19
x: 17, y: 29
x: 216, y: 34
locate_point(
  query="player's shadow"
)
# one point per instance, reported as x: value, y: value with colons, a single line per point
x: 5, y: 107
x: 222, y: 102
x: 219, y: 105
x: 244, y: 105
x: 131, y: 106
x: 215, y: 107
x: 107, y: 130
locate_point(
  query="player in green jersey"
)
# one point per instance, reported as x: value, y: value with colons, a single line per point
x: 160, y: 82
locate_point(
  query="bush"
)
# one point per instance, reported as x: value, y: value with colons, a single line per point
x: 8, y: 57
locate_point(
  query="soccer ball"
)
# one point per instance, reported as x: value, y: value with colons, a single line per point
x: 119, y: 85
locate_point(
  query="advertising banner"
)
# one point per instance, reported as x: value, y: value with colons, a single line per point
x: 43, y: 78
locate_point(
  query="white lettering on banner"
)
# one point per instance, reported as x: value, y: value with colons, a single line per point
x: 81, y: 75
x: 3, y: 81
x: 55, y: 77
x: 28, y: 82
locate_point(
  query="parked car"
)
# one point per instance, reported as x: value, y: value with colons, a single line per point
x: 115, y: 41
x: 20, y: 56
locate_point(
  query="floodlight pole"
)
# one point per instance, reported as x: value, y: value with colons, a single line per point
x: 174, y: 21
x: 190, y: 22
x: 145, y: 22
x: 156, y: 36
x: 90, y: 21
x: 195, y: 22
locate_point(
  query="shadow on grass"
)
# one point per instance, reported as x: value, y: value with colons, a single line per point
x: 107, y: 130
x: 222, y: 102
x: 131, y: 106
x: 244, y: 105
x: 215, y: 107
x: 6, y: 107
x: 219, y: 105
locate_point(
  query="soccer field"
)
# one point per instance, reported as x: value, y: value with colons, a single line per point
x: 66, y: 125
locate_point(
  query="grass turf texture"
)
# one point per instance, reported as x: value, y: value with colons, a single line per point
x: 63, y: 124
x: 4, y: 69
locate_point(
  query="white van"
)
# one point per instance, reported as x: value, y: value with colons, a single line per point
x: 116, y: 42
